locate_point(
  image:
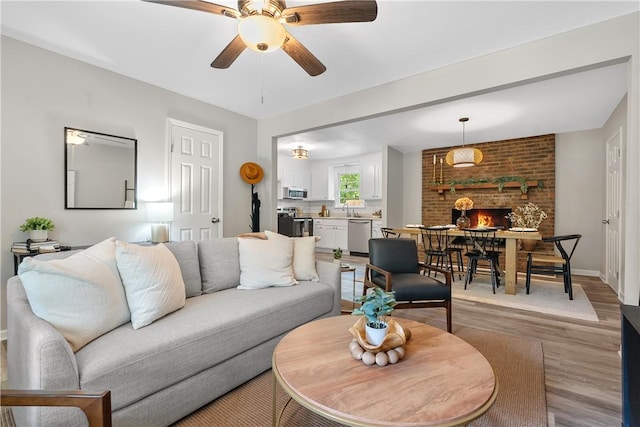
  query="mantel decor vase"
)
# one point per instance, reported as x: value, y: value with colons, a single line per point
x: 463, y: 221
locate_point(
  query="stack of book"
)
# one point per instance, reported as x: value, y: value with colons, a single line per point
x: 29, y: 247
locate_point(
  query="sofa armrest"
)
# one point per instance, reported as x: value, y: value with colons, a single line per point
x: 38, y: 356
x: 329, y: 273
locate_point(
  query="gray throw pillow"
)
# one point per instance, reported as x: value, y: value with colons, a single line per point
x: 219, y: 264
x: 187, y: 256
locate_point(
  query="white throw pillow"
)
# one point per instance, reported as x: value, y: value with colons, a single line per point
x: 81, y: 296
x: 265, y: 263
x: 304, y: 255
x: 152, y: 281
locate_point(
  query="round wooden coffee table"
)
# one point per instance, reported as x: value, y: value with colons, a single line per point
x: 442, y: 380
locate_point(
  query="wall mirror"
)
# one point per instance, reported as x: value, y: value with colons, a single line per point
x: 100, y: 170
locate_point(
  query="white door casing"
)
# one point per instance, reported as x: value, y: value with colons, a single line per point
x: 613, y: 220
x: 196, y: 181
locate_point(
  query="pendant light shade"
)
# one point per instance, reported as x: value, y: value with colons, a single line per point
x: 300, y: 153
x: 465, y: 156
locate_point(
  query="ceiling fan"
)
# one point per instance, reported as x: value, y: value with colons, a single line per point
x: 261, y: 28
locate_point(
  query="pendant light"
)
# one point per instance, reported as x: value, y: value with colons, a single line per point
x: 465, y: 156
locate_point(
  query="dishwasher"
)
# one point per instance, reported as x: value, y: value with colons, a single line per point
x: 359, y: 235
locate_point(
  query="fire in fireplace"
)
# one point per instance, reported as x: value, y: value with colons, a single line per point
x: 493, y: 217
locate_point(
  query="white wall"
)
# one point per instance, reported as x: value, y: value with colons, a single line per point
x: 581, y: 197
x: 412, y: 203
x: 42, y: 92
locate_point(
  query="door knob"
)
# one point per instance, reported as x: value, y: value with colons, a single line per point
x: 605, y: 221
x: 215, y: 220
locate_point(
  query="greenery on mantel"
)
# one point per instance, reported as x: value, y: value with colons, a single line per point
x: 499, y: 181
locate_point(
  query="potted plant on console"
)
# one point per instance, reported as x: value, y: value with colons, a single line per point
x: 38, y: 228
x: 337, y: 256
x: 376, y: 306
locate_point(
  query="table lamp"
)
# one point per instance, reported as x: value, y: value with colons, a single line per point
x: 160, y: 214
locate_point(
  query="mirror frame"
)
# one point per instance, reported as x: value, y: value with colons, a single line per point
x: 128, y: 187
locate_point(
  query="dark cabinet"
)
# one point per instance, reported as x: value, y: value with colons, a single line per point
x: 630, y: 330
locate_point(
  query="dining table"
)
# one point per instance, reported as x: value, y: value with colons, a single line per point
x: 510, y: 237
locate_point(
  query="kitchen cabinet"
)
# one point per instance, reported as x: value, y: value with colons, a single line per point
x: 376, y: 225
x: 293, y: 172
x: 371, y: 177
x: 320, y: 188
x: 334, y: 233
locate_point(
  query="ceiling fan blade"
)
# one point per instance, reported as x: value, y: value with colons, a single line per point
x: 303, y: 56
x: 229, y: 53
x: 332, y: 13
x: 202, y: 6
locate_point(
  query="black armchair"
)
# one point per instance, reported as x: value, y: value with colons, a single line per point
x: 394, y: 266
x: 545, y: 264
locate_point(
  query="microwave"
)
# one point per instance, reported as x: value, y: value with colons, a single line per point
x: 294, y: 193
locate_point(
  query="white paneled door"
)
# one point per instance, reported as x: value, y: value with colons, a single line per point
x: 196, y: 181
x: 612, y: 221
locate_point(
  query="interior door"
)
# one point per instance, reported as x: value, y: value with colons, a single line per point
x: 196, y: 181
x: 612, y: 221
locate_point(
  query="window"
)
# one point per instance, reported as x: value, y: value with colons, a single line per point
x: 348, y: 188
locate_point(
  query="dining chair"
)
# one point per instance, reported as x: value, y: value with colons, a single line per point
x: 553, y: 264
x: 437, y: 249
x: 481, y: 244
x: 388, y: 232
x: 394, y: 266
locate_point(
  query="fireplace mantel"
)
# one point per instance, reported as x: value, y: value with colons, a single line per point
x: 443, y: 188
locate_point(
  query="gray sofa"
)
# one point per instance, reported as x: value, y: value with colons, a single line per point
x: 162, y: 372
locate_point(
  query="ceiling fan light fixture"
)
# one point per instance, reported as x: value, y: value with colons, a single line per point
x: 261, y: 33
x: 464, y: 157
x: 300, y: 153
x: 74, y: 138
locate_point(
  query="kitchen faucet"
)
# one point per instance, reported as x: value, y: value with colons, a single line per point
x: 346, y: 206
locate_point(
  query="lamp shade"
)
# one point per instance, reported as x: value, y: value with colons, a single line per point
x: 159, y: 211
x: 464, y: 157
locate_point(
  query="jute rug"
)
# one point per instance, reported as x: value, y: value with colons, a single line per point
x: 518, y: 363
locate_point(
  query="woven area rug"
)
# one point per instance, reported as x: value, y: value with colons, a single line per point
x: 545, y: 297
x: 517, y: 362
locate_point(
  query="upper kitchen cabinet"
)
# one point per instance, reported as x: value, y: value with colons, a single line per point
x: 321, y: 182
x: 293, y: 172
x: 371, y: 177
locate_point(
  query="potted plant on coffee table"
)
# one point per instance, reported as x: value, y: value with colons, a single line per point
x: 38, y: 228
x: 376, y: 306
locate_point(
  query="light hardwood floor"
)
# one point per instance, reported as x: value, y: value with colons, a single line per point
x: 582, y: 364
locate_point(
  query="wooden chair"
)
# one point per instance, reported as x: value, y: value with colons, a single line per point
x: 553, y: 264
x: 96, y: 406
x: 388, y: 232
x: 482, y: 245
x: 437, y: 247
x: 394, y: 266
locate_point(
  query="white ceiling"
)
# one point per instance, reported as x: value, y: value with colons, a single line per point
x: 172, y: 48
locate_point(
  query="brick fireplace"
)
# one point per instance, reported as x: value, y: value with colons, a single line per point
x: 532, y: 158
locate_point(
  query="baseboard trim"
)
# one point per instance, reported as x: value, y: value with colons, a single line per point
x: 592, y: 273
x: 3, y: 335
